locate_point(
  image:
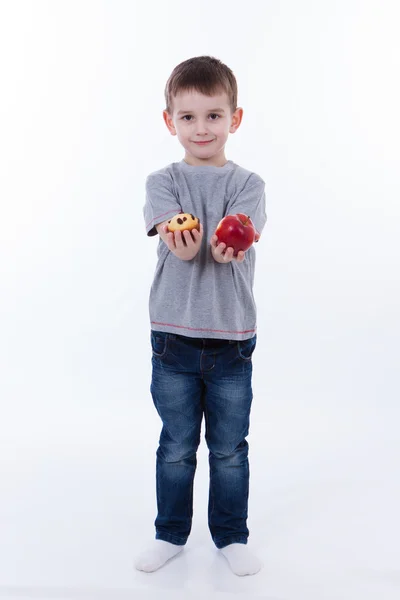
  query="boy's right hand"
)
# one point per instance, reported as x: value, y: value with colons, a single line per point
x: 186, y: 244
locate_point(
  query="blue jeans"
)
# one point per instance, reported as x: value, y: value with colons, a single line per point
x: 192, y: 376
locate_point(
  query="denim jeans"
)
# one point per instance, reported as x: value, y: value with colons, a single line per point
x: 192, y: 376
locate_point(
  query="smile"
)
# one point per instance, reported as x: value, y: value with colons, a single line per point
x: 204, y: 143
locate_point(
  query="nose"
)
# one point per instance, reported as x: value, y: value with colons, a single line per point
x: 201, y: 128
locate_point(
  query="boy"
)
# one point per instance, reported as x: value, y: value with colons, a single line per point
x: 203, y: 317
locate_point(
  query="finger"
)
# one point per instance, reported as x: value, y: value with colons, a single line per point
x: 170, y: 240
x: 187, y: 237
x: 240, y: 256
x: 178, y: 239
x: 196, y: 234
x: 219, y: 250
x: 214, y: 241
x: 228, y: 254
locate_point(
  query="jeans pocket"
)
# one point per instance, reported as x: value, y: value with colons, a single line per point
x: 246, y: 348
x: 159, y: 340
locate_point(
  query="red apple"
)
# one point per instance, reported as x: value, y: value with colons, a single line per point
x: 237, y: 232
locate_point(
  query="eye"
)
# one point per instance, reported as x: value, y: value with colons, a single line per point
x: 187, y: 117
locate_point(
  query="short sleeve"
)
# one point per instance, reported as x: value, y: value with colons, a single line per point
x: 161, y: 203
x: 251, y: 201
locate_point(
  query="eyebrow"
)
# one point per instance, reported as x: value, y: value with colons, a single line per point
x: 182, y: 112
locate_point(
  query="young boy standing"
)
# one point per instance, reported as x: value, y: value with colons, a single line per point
x: 203, y: 317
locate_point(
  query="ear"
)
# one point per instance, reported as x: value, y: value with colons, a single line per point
x: 236, y: 120
x: 169, y: 122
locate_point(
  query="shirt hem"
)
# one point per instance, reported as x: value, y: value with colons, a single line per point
x: 202, y: 332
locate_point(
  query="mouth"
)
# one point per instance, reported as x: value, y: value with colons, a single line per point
x: 203, y: 143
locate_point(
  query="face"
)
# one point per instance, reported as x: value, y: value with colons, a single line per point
x: 202, y: 124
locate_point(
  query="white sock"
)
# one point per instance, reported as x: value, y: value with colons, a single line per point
x: 241, y: 560
x: 156, y: 555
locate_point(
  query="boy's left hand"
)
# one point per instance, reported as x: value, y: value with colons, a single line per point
x: 217, y: 250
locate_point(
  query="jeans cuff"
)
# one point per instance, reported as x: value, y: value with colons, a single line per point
x: 168, y: 537
x: 233, y: 539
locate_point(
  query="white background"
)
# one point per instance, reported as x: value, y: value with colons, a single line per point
x: 81, y: 127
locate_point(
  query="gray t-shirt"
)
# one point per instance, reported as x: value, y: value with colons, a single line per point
x: 201, y: 298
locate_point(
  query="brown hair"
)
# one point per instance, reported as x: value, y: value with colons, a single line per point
x: 204, y: 74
